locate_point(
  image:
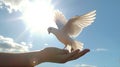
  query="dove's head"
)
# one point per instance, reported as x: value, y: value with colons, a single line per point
x: 51, y: 30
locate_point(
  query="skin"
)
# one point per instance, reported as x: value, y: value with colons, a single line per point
x: 31, y: 59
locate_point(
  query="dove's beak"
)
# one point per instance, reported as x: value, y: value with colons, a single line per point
x: 48, y: 32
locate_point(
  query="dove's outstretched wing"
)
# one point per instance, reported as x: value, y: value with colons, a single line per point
x: 59, y: 19
x: 76, y: 24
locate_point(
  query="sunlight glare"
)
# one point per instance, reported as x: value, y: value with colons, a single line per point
x: 39, y: 16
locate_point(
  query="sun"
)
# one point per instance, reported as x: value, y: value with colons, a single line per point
x: 38, y: 16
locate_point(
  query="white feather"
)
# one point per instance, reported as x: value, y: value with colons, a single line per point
x: 71, y: 28
x: 59, y: 19
x: 76, y: 24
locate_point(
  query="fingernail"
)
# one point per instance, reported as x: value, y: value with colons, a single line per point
x: 87, y: 50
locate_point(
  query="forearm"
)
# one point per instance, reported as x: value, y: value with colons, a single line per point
x: 20, y: 59
x: 13, y: 59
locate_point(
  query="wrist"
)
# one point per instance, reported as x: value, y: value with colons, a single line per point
x: 37, y: 57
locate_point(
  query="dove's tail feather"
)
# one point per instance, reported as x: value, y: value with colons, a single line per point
x: 77, y: 45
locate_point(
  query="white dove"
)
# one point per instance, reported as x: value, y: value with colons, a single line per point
x: 71, y: 28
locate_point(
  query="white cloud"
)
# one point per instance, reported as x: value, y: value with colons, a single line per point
x: 101, y: 49
x: 25, y: 44
x: 46, y: 44
x: 8, y: 45
x: 14, y: 4
x: 84, y: 65
x: 0, y: 4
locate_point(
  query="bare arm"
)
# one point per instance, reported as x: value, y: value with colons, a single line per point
x: 17, y: 59
x: 32, y: 59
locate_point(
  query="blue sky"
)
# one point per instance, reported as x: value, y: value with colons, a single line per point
x: 102, y: 37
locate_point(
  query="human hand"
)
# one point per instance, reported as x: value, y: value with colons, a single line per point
x: 30, y: 59
x: 56, y: 55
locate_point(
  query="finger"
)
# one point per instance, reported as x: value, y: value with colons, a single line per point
x: 73, y: 53
x: 84, y: 52
x: 66, y: 57
x: 80, y: 54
